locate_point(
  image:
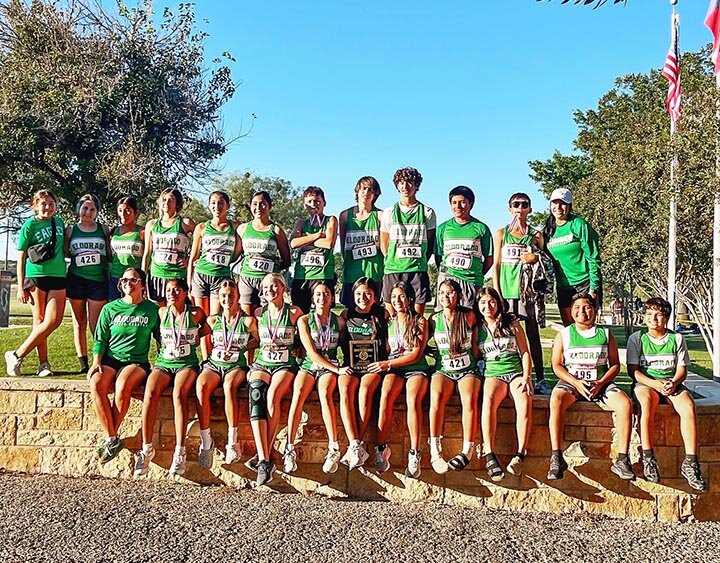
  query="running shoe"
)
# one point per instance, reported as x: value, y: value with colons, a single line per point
x: 252, y: 463
x: 101, y: 448
x: 331, y: 461
x: 623, y: 469
x: 691, y: 471
x: 382, y: 459
x: 232, y: 453
x: 413, y: 465
x: 515, y: 467
x: 178, y: 465
x: 264, y: 472
x: 557, y: 468
x: 13, y: 363
x: 542, y: 387
x: 358, y: 456
x: 44, y: 370
x: 111, y: 449
x: 289, y: 459
x: 205, y: 456
x: 437, y: 461
x: 84, y: 366
x: 142, y: 462
x: 650, y: 469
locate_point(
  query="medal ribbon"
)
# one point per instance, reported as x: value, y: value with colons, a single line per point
x: 227, y: 341
x: 176, y: 331
x: 399, y: 342
x: 324, y: 335
x: 274, y: 330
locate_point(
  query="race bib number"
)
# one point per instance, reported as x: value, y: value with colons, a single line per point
x: 167, y: 256
x: 584, y: 373
x: 456, y: 362
x: 409, y: 251
x: 364, y: 251
x: 458, y: 261
x: 275, y: 355
x: 318, y: 367
x: 511, y: 253
x: 219, y: 259
x: 174, y: 353
x: 223, y: 356
x: 88, y: 259
x: 264, y: 265
x: 312, y: 259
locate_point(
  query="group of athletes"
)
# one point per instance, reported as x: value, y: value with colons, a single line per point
x: 215, y: 297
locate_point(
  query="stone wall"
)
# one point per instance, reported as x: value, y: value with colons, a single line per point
x: 48, y: 426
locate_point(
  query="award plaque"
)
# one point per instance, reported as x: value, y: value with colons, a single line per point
x: 362, y: 354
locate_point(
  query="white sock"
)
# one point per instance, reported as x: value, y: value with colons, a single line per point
x: 232, y: 435
x: 434, y: 445
x: 147, y: 448
x: 334, y: 446
x: 467, y: 448
x: 206, y: 439
x: 112, y: 438
x: 180, y: 449
x: 356, y: 443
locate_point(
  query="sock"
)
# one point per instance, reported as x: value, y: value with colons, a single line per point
x: 112, y: 438
x: 692, y: 458
x: 622, y: 456
x: 412, y: 452
x: 556, y: 453
x: 232, y: 435
x: 356, y: 443
x: 206, y: 439
x: 648, y: 454
x: 147, y: 448
x: 334, y: 446
x: 467, y: 448
x: 434, y: 445
x: 289, y: 446
x: 180, y: 450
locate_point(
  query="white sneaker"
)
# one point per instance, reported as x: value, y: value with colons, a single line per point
x: 13, y: 363
x: 515, y: 467
x: 205, y: 457
x: 289, y: 460
x: 142, y: 462
x: 331, y: 461
x: 413, y: 466
x: 382, y: 459
x: 232, y: 453
x: 44, y: 370
x: 438, y: 463
x: 358, y: 456
x: 179, y: 462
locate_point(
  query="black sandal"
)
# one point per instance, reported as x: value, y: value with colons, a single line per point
x: 494, y: 470
x: 459, y: 462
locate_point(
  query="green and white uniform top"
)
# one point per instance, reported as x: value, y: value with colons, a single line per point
x: 277, y: 339
x: 178, y: 340
x: 585, y: 353
x: 216, y: 251
x: 127, y: 251
x: 315, y: 263
x: 501, y: 354
x: 171, y: 249
x: 445, y: 360
x: 398, y: 348
x: 362, y: 256
x: 261, y: 251
x: 88, y: 253
x: 326, y: 339
x: 511, y: 265
x: 658, y: 358
x: 407, y: 228
x: 124, y: 330
x: 575, y: 252
x: 34, y: 232
x: 463, y: 249
x: 229, y: 342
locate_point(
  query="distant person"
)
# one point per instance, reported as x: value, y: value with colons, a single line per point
x: 41, y: 280
x: 616, y: 307
x: 360, y: 239
x: 87, y: 245
x: 127, y: 244
x: 638, y: 311
x: 657, y: 360
x: 314, y: 240
x: 407, y: 240
x: 574, y: 248
x: 464, y: 247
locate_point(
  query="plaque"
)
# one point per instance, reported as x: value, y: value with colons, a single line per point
x: 362, y: 354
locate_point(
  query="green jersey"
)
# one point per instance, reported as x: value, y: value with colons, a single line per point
x: 585, y: 354
x: 445, y: 360
x: 124, y: 330
x: 171, y: 248
x: 658, y: 358
x: 178, y: 340
x: 34, y: 232
x: 229, y: 342
x: 511, y: 263
x: 362, y: 256
x: 501, y: 354
x: 261, y: 251
x: 326, y: 340
x: 88, y: 253
x: 216, y: 251
x: 277, y: 339
x: 398, y: 347
x: 463, y: 248
x: 314, y: 263
x: 575, y: 252
x: 408, y: 240
x: 127, y: 251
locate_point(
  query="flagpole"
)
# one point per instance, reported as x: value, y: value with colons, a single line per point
x: 672, y: 225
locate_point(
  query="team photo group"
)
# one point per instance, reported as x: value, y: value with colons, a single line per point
x: 231, y: 304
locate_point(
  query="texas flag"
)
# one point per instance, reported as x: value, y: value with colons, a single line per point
x: 712, y: 21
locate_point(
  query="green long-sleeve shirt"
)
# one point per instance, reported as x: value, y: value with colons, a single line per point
x: 124, y: 330
x: 575, y: 252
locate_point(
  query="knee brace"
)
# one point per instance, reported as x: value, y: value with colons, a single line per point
x: 258, y: 399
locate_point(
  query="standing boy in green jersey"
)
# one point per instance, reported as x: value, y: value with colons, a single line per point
x: 407, y: 239
x: 464, y: 247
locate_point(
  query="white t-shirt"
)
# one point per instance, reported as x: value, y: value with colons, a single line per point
x: 386, y: 218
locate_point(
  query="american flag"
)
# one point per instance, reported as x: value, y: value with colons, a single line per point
x: 671, y: 71
x: 712, y: 22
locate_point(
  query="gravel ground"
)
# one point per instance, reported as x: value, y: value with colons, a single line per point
x: 48, y: 518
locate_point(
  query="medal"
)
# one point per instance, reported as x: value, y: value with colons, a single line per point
x: 274, y: 329
x: 324, y: 335
x: 176, y: 331
x: 227, y: 339
x: 399, y: 342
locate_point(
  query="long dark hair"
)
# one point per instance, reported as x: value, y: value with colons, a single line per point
x: 504, y: 327
x: 551, y: 224
x: 411, y: 332
x: 460, y: 329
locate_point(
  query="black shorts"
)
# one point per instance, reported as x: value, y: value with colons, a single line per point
x: 302, y: 291
x: 565, y: 295
x: 221, y: 370
x: 83, y: 288
x: 419, y: 281
x: 156, y: 288
x: 117, y: 365
x: 45, y: 283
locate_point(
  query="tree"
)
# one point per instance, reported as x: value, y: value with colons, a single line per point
x: 109, y: 104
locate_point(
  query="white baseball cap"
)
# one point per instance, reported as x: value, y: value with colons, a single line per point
x: 563, y: 194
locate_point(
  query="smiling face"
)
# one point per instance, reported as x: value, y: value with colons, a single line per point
x: 273, y: 290
x: 560, y: 209
x: 488, y: 306
x: 44, y: 208
x: 218, y: 206
x: 583, y: 312
x: 174, y: 294
x: 87, y: 211
x: 655, y: 319
x: 364, y: 298
x: 407, y: 189
x: 322, y: 298
x: 228, y: 297
x: 168, y: 204
x: 126, y: 214
x: 130, y: 283
x: 399, y: 300
x: 448, y: 297
x: 461, y: 207
x: 259, y: 207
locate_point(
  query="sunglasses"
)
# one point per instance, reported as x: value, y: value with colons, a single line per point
x: 131, y: 281
x: 520, y: 204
